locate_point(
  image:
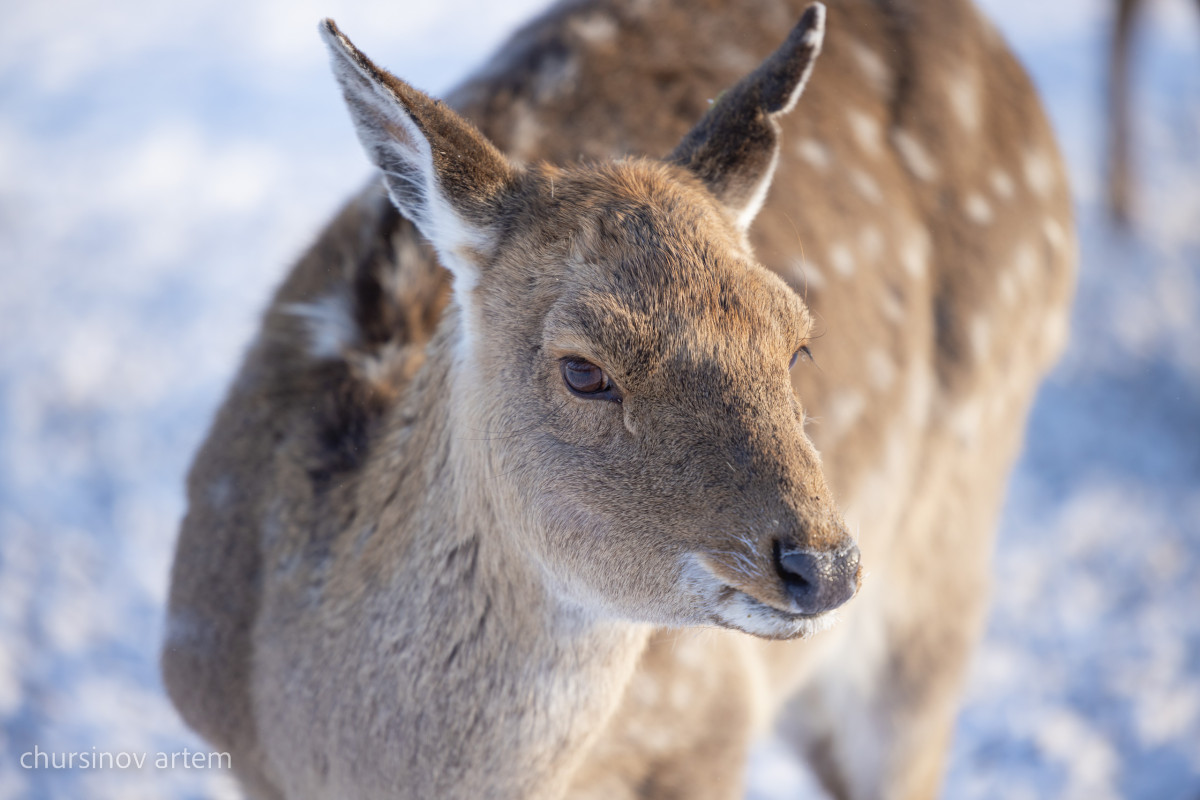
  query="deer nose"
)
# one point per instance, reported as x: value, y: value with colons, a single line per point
x: 818, y: 580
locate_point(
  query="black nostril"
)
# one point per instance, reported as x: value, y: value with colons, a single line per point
x: 818, y: 580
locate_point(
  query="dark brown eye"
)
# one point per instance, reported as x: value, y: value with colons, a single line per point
x: 585, y: 378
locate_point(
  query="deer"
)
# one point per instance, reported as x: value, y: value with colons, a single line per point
x: 658, y: 393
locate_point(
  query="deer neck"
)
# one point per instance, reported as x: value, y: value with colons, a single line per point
x: 535, y: 674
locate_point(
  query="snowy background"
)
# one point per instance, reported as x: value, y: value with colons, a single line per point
x: 162, y: 163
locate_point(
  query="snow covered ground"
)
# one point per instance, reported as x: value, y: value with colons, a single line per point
x: 161, y: 164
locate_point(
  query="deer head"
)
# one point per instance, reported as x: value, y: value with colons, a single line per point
x: 620, y: 362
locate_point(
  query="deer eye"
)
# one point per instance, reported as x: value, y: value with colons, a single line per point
x: 803, y: 351
x: 586, y: 379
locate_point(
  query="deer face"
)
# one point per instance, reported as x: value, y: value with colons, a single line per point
x: 626, y: 359
x: 645, y: 417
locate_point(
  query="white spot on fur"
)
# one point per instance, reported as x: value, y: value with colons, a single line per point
x: 978, y: 209
x: 556, y: 78
x: 881, y: 369
x: 873, y: 67
x: 963, y: 92
x: 1002, y: 184
x: 914, y: 255
x: 842, y: 260
x: 813, y: 153
x: 870, y: 243
x: 691, y: 651
x: 845, y: 409
x: 645, y: 689
x: 866, y: 131
x: 1025, y: 263
x: 914, y: 155
x: 1039, y: 172
x: 526, y: 135
x: 1054, y: 233
x: 980, y: 334
x: 1007, y: 286
x: 1057, y: 329
x: 329, y: 323
x: 681, y: 695
x: 594, y: 29
x: 866, y: 186
x: 874, y: 505
x: 808, y: 275
x: 965, y: 421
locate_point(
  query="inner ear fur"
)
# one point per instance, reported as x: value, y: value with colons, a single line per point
x: 735, y: 147
x: 440, y: 171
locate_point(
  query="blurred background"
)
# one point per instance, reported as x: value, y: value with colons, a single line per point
x: 162, y: 164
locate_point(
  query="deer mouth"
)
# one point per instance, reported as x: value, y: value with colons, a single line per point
x: 744, y: 612
x: 736, y: 608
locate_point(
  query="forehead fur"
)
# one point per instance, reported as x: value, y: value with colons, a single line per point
x: 646, y: 257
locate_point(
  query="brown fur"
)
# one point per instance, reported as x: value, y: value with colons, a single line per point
x: 403, y: 573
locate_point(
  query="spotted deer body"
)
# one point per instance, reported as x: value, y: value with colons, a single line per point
x: 538, y: 529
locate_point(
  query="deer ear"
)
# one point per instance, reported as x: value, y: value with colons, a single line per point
x: 439, y: 170
x: 734, y: 148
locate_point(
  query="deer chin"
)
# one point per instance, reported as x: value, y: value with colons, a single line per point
x: 745, y: 613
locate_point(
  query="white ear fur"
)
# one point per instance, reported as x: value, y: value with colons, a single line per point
x: 811, y: 41
x: 396, y: 143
